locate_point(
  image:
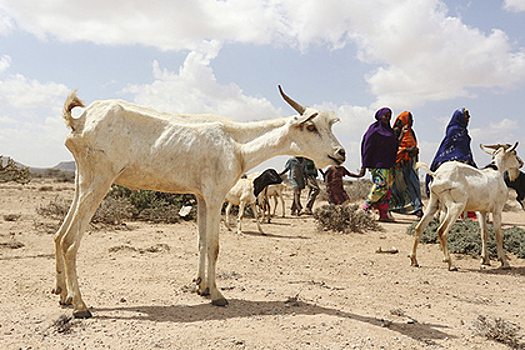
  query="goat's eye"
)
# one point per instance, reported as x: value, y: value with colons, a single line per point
x: 310, y: 127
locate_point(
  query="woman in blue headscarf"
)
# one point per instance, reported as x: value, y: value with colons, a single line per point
x: 455, y: 145
x: 378, y: 154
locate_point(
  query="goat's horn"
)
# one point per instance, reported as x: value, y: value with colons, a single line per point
x: 497, y: 146
x: 513, y: 147
x: 297, y: 106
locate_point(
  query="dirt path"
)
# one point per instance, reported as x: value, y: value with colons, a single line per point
x: 295, y: 288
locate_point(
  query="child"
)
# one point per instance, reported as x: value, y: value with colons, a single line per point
x: 333, y: 178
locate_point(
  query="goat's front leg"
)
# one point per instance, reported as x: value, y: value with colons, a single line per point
x: 212, y: 246
x: 257, y: 218
x: 201, y: 283
x: 239, y: 218
x: 499, y: 240
x: 485, y: 261
x: 227, y: 216
x: 429, y: 214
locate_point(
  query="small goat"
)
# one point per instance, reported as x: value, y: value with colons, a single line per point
x: 245, y: 192
x: 115, y: 141
x: 275, y: 192
x: 458, y: 187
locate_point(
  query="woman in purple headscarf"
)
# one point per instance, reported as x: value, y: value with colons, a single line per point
x: 455, y: 145
x: 378, y: 154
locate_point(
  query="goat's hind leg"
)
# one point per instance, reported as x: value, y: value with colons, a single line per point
x: 89, y: 198
x: 453, y: 213
x: 429, y: 214
x: 60, y: 279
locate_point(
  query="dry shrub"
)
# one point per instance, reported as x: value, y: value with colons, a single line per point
x: 358, y: 190
x: 344, y: 218
x: 465, y: 238
x: 56, y: 209
x: 122, y: 204
x: 500, y: 330
x: 12, y: 171
x: 113, y: 211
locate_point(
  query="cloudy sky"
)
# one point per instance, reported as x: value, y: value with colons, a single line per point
x: 227, y: 57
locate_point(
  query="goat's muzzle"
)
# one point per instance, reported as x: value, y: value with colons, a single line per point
x: 339, y: 156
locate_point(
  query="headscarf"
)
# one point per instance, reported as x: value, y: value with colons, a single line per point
x: 455, y: 145
x: 408, y: 140
x: 379, y: 144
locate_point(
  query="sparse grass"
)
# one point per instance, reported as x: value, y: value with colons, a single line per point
x: 499, y: 330
x: 464, y: 238
x: 344, y: 218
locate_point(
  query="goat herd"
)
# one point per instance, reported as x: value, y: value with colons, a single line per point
x: 115, y: 141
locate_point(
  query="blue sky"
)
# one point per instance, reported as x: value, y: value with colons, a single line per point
x: 227, y: 57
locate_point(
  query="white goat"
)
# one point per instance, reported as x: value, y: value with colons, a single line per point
x: 275, y: 192
x: 138, y: 147
x: 458, y: 187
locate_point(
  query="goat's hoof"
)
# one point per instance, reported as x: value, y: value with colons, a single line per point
x: 452, y: 268
x: 66, y: 302
x: 56, y: 290
x: 203, y: 292
x: 220, y: 302
x: 82, y: 314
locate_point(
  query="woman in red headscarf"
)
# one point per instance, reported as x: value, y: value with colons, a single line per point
x: 406, y: 191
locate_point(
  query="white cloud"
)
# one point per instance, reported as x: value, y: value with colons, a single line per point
x: 30, y: 118
x: 5, y: 62
x: 169, y: 25
x: 514, y: 5
x: 420, y: 52
x: 22, y: 93
x: 195, y: 90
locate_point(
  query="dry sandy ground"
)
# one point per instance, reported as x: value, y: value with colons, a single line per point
x: 295, y: 288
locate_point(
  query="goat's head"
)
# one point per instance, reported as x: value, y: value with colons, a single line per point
x: 311, y: 135
x: 504, y: 156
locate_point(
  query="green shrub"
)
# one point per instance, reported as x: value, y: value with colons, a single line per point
x: 465, y: 238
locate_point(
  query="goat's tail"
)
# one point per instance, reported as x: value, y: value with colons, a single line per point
x: 72, y: 101
x: 425, y: 167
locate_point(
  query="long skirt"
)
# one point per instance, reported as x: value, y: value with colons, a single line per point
x: 406, y: 191
x: 379, y: 196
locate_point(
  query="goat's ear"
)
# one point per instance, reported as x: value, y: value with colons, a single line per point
x: 301, y: 119
x: 487, y: 149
